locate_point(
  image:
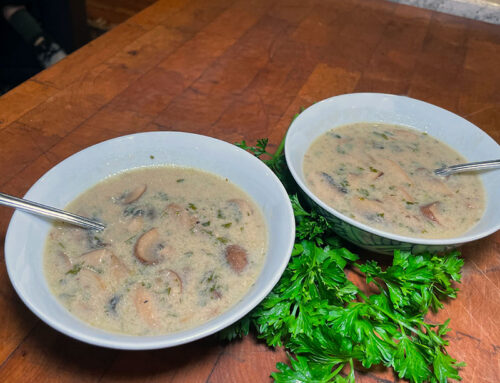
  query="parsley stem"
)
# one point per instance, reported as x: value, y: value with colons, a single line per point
x: 339, y: 368
x: 278, y: 151
x: 351, y: 373
x: 389, y: 315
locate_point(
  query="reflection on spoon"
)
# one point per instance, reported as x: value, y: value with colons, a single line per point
x: 472, y: 166
x: 51, y: 212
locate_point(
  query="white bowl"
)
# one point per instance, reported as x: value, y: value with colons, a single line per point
x: 27, y: 233
x: 460, y: 134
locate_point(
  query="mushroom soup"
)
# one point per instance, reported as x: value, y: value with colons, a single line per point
x: 181, y: 246
x: 382, y: 175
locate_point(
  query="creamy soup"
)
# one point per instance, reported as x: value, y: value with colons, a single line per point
x: 382, y: 175
x: 181, y: 246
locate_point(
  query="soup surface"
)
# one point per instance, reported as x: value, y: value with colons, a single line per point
x: 382, y: 175
x: 181, y: 246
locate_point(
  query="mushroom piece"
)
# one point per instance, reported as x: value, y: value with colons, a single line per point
x: 133, y: 195
x: 236, y: 256
x: 118, y: 269
x: 95, y: 258
x: 430, y: 211
x: 367, y: 207
x: 144, y: 304
x: 407, y: 196
x: 394, y: 169
x: 375, y: 176
x: 63, y: 262
x: 180, y: 215
x: 90, y: 280
x: 148, y: 248
x: 169, y: 282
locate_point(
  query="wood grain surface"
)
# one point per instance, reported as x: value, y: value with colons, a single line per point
x: 240, y: 69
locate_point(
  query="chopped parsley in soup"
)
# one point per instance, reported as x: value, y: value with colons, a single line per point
x: 382, y: 175
x: 181, y: 246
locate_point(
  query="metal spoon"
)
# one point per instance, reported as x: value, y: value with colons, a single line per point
x: 472, y: 166
x: 51, y: 212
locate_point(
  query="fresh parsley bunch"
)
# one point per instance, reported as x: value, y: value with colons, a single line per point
x: 328, y: 324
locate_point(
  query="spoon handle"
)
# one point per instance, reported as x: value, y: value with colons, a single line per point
x: 482, y: 165
x: 51, y: 212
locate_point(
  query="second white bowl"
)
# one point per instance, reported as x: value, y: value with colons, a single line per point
x: 458, y: 133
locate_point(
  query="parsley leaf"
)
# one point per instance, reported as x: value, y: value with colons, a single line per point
x: 327, y: 323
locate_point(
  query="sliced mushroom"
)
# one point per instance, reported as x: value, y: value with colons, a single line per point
x: 148, y: 248
x: 145, y: 305
x: 406, y: 195
x: 63, y: 262
x: 95, y: 258
x: 430, y: 211
x: 168, y: 282
x: 367, y: 207
x: 375, y: 176
x: 394, y: 169
x: 181, y: 216
x: 236, y: 256
x: 90, y: 280
x: 133, y: 195
x: 118, y: 269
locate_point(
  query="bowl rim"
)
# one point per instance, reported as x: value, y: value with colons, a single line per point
x: 103, y: 338
x: 396, y: 237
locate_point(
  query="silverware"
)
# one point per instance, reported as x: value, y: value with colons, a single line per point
x: 51, y: 212
x: 472, y: 166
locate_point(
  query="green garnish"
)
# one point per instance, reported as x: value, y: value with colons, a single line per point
x: 192, y: 206
x: 327, y: 324
x: 227, y: 225
x: 383, y: 135
x: 206, y: 224
x: 372, y: 169
x: 363, y: 192
x: 223, y: 240
x: 76, y: 269
x: 130, y: 240
x: 162, y: 196
x: 180, y: 180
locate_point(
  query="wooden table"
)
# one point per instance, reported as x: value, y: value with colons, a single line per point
x: 240, y: 69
